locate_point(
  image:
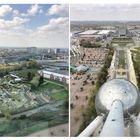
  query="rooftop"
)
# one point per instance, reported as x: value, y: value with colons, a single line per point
x: 104, y: 32
x: 89, y: 32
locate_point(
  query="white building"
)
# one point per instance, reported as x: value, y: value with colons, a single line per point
x: 55, y: 76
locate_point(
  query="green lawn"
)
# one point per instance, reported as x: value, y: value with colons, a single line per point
x: 48, y: 87
x: 138, y: 48
x: 121, y: 59
x: 60, y: 95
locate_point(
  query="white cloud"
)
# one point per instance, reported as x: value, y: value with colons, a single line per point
x: 14, y: 32
x: 62, y: 10
x: 15, y: 12
x: 5, y: 9
x: 41, y: 11
x: 9, y: 24
x: 54, y: 34
x: 24, y: 14
x: 33, y: 10
x: 55, y: 25
x: 27, y: 38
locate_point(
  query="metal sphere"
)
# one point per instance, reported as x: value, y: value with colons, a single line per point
x: 117, y: 89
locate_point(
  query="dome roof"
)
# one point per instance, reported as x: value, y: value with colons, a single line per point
x: 117, y: 89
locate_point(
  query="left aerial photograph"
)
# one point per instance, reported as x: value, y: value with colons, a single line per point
x: 34, y: 70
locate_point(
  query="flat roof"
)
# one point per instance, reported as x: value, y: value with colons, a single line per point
x: 91, y: 35
x: 104, y: 32
x: 89, y: 32
x: 54, y: 73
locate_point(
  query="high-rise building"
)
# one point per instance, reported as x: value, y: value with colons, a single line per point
x: 32, y: 50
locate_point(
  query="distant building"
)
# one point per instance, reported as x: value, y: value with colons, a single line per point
x: 75, y: 33
x: 93, y: 35
x: 32, y: 50
x: 55, y: 50
x: 52, y: 50
x: 123, y: 31
x: 2, y: 61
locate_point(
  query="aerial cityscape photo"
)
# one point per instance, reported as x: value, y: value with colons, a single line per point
x: 34, y: 70
x: 105, y: 70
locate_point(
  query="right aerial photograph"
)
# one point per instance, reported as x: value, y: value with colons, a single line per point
x: 104, y: 70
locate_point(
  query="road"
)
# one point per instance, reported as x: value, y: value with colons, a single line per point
x: 127, y: 64
x: 114, y: 65
x: 132, y: 75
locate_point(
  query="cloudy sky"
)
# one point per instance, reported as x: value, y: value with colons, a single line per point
x: 102, y: 12
x: 34, y: 25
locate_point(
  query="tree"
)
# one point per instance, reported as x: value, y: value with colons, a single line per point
x: 7, y: 115
x: 33, y: 64
x: 35, y: 82
x: 41, y: 80
x: 72, y: 105
x: 77, y: 97
x: 81, y: 89
x: 29, y: 76
x: 93, y: 82
x: 66, y: 104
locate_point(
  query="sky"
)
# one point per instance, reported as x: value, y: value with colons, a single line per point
x: 27, y: 25
x: 105, y: 12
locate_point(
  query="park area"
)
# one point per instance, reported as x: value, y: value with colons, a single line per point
x: 122, y: 59
x: 25, y: 109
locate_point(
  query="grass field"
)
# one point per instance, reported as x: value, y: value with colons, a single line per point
x: 50, y: 86
x: 60, y: 95
x: 121, y: 59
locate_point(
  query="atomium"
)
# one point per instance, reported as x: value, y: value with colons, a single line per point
x: 118, y: 89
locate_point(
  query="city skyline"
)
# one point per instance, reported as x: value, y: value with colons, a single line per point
x: 34, y: 25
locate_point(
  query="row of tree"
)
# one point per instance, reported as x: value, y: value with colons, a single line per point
x: 103, y: 74
x: 136, y: 63
x: 5, y: 69
x: 89, y: 44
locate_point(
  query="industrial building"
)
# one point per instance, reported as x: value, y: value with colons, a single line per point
x: 96, y: 34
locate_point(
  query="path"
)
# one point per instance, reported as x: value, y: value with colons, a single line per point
x: 56, y: 131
